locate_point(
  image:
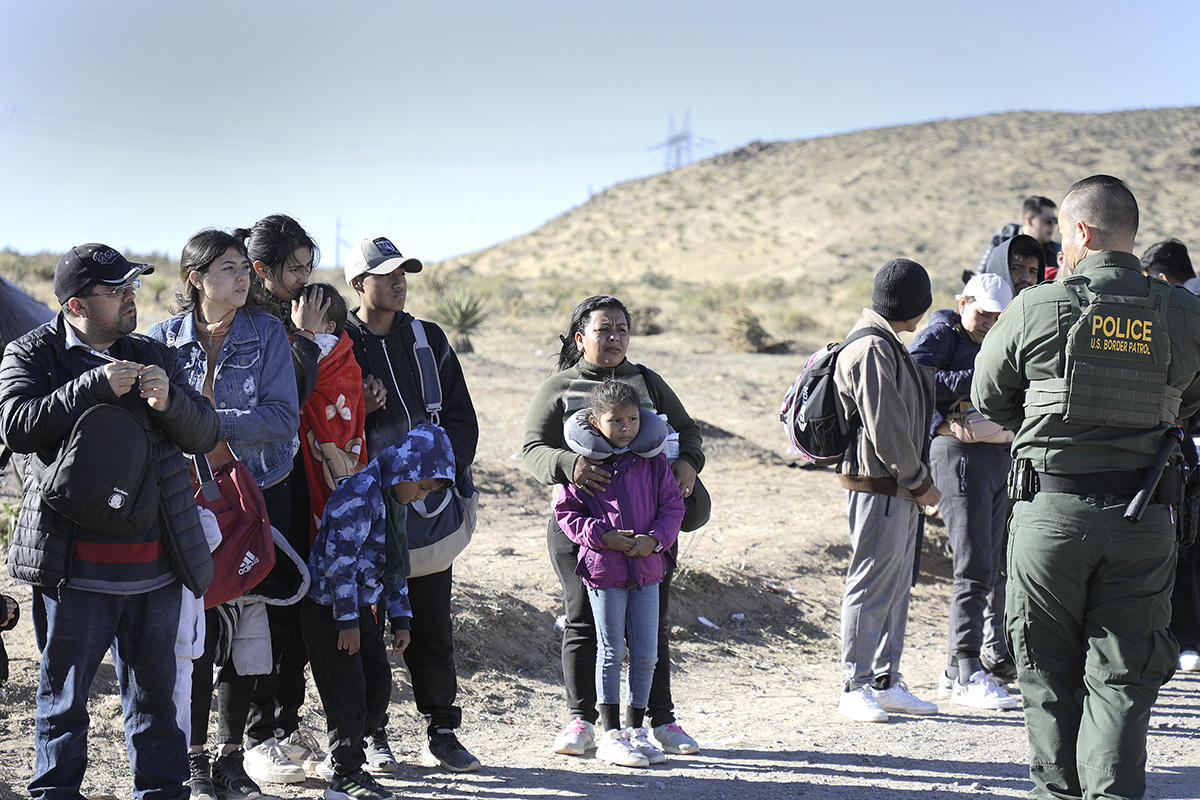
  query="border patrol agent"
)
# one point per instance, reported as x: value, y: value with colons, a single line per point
x: 1091, y: 371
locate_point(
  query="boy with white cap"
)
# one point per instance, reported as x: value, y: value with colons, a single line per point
x: 384, y: 338
x: 970, y: 460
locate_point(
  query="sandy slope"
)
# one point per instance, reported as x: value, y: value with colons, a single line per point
x: 759, y: 692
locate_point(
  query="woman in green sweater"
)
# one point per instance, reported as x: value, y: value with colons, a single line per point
x: 593, y: 350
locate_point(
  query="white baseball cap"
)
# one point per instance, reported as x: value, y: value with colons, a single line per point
x: 377, y: 255
x: 989, y: 291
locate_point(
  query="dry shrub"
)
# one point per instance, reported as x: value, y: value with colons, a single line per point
x: 746, y: 334
x: 643, y: 320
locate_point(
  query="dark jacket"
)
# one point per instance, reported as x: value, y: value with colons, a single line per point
x: 390, y: 359
x: 946, y: 348
x: 44, y: 388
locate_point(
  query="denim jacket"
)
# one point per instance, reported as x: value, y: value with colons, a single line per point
x: 254, y: 387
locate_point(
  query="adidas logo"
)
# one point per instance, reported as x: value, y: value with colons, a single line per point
x: 248, y: 562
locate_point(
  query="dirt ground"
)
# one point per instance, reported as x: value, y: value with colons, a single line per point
x: 758, y: 688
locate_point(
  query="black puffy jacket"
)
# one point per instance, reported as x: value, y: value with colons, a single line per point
x: 44, y: 388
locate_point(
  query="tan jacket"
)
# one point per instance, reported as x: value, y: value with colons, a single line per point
x: 895, y: 402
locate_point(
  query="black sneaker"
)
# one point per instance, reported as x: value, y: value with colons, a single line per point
x: 200, y: 781
x: 1004, y: 671
x: 356, y: 786
x: 443, y: 749
x: 231, y: 779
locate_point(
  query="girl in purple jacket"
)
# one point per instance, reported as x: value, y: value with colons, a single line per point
x: 624, y: 532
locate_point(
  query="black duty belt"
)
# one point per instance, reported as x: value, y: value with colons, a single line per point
x: 1126, y: 482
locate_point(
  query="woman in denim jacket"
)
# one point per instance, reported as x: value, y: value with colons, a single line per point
x: 239, y: 358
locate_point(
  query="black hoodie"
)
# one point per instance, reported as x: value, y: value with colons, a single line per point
x: 390, y: 358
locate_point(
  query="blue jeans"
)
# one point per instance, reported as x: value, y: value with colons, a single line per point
x: 74, y: 629
x: 625, y: 616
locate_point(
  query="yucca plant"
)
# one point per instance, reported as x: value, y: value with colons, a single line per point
x: 462, y: 313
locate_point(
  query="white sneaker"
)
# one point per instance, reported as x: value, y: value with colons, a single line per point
x: 304, y: 751
x: 577, y: 738
x: 899, y: 700
x: 983, y: 692
x: 640, y: 738
x: 615, y: 747
x: 860, y: 706
x: 671, y: 738
x: 324, y: 770
x: 1189, y: 661
x: 945, y: 686
x: 268, y: 763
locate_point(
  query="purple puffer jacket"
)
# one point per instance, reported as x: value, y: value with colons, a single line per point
x: 643, y: 497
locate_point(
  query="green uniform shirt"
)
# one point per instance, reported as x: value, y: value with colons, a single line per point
x: 1028, y: 343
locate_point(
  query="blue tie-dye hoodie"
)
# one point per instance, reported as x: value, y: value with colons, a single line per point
x: 349, y: 554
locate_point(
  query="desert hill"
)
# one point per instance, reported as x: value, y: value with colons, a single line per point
x: 818, y: 209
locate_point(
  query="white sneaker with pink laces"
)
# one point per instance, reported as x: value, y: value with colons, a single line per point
x: 673, y: 739
x: 577, y: 738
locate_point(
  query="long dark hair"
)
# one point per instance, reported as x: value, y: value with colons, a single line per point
x: 272, y: 240
x: 199, y: 254
x: 569, y: 355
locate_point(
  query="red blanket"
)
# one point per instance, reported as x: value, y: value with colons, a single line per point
x: 332, y: 428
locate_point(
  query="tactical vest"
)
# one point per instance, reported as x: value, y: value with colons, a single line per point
x: 1117, y: 353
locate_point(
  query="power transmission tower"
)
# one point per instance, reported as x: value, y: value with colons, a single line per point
x: 677, y: 149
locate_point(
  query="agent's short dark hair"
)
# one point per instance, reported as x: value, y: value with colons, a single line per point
x: 199, y: 254
x: 1034, y: 204
x: 337, y: 311
x: 1023, y: 247
x: 612, y: 394
x: 1107, y: 204
x: 1170, y: 258
x: 569, y: 355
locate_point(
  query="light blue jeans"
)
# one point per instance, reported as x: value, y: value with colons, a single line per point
x: 625, y: 616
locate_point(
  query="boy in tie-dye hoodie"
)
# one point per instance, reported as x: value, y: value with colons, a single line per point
x: 360, y: 559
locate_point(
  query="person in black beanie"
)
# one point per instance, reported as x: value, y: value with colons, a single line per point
x: 886, y: 474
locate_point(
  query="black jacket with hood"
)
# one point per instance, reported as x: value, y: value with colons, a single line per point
x: 44, y: 389
x: 391, y: 359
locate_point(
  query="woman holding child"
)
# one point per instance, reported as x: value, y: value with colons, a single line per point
x: 593, y: 351
x: 238, y: 357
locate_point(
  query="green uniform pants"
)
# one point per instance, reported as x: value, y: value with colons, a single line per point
x: 1088, y: 606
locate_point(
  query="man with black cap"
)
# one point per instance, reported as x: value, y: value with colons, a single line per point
x: 886, y: 474
x: 386, y: 343
x: 94, y: 588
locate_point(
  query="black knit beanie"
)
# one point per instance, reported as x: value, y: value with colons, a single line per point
x: 901, y: 290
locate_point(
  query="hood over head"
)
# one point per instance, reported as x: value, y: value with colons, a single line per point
x: 997, y: 263
x: 424, y: 453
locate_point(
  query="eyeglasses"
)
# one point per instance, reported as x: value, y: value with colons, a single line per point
x: 120, y: 291
x: 1049, y: 220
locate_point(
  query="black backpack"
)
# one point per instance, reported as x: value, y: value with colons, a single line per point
x: 104, y: 477
x: 809, y: 413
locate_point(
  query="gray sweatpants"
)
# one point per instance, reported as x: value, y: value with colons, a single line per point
x: 975, y: 507
x: 883, y: 535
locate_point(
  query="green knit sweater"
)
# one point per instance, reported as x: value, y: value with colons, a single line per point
x: 545, y: 450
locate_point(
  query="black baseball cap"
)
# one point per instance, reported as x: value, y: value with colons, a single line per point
x: 85, y: 265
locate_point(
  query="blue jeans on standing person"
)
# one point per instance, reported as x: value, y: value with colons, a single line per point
x: 625, y: 616
x: 74, y: 629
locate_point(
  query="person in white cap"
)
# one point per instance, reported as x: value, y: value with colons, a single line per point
x: 384, y: 336
x: 970, y: 462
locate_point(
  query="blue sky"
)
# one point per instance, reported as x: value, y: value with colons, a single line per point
x: 452, y: 125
